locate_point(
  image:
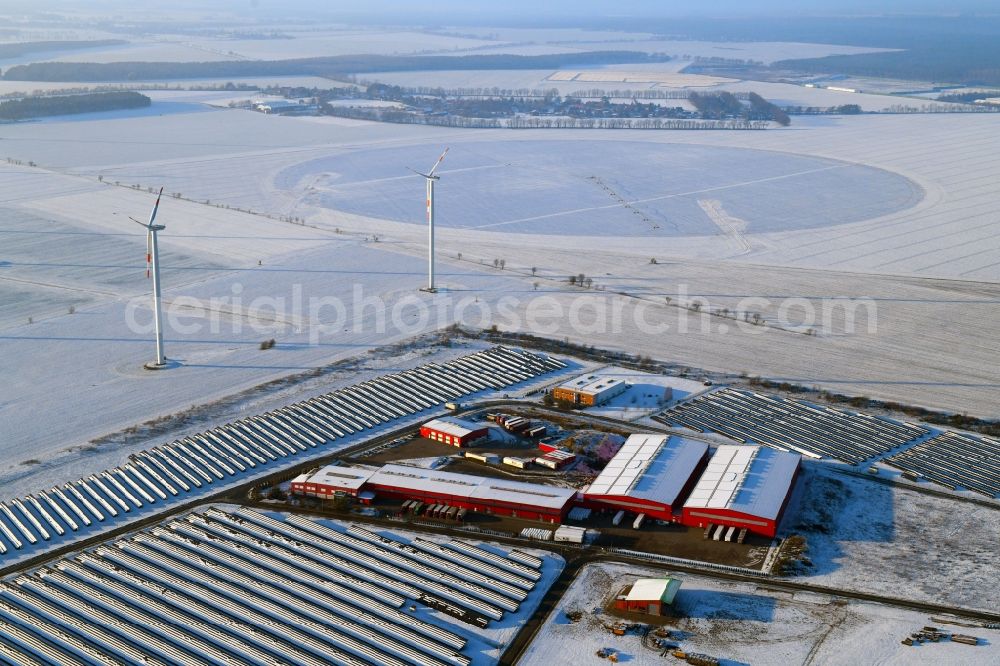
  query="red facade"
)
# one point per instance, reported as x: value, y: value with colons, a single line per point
x: 453, y: 440
x: 701, y: 516
x: 651, y: 607
x: 322, y: 490
x: 525, y: 511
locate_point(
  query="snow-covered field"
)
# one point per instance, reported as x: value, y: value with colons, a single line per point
x: 744, y: 623
x: 893, y: 541
x: 60, y: 222
x: 534, y: 186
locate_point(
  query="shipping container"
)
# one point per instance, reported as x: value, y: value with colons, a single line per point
x: 639, y: 520
x: 618, y: 518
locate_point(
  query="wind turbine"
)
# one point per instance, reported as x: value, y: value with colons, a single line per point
x: 153, y: 261
x: 430, y: 178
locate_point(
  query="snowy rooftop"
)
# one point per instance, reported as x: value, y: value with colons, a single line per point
x: 453, y: 426
x: 650, y: 589
x: 591, y: 384
x: 472, y: 487
x: 559, y: 454
x: 348, y: 478
x: 654, y: 467
x: 748, y: 479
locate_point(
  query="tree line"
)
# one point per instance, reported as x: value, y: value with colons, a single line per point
x: 725, y: 105
x: 402, y: 116
x: 972, y: 61
x: 19, y: 49
x: 39, y: 107
x: 330, y: 66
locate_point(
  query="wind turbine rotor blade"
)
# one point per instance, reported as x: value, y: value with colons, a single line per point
x: 417, y: 172
x: 152, y: 216
x: 149, y: 251
x: 438, y: 163
x: 141, y: 224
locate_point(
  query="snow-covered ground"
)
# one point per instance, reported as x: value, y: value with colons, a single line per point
x: 893, y: 541
x: 744, y: 623
x: 64, y: 246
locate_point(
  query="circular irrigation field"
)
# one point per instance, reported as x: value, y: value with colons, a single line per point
x: 604, y: 188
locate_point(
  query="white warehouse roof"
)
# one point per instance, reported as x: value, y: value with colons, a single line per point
x: 472, y: 487
x: 648, y: 466
x: 748, y: 479
x: 593, y: 384
x: 347, y: 478
x: 453, y: 426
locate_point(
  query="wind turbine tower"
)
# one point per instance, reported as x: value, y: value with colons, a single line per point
x: 153, y: 262
x: 429, y: 177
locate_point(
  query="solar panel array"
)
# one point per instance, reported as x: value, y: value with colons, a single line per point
x: 955, y: 460
x: 238, y: 586
x: 813, y: 430
x: 164, y: 474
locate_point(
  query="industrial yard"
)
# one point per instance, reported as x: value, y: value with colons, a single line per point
x: 599, y: 386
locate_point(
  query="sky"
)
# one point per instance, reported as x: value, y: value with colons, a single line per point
x: 550, y: 8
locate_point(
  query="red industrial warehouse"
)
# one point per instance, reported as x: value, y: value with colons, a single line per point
x: 453, y: 431
x: 650, y: 474
x: 743, y: 487
x: 476, y: 493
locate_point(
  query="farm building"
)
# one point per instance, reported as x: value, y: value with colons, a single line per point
x: 648, y: 595
x: 331, y: 481
x: 453, y: 431
x: 650, y: 474
x: 590, y: 390
x: 475, y: 493
x: 556, y: 459
x: 743, y: 486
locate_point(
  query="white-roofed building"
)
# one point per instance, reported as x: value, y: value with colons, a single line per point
x: 331, y: 481
x: 650, y: 474
x: 590, y: 390
x: 648, y: 595
x: 475, y: 493
x: 455, y: 432
x: 743, y: 486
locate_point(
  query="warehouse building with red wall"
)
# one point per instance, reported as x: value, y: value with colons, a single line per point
x: 455, y: 432
x: 331, y: 481
x: 650, y: 474
x: 480, y: 494
x: 743, y: 486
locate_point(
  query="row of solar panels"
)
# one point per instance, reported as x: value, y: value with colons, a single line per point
x: 221, y: 587
x: 812, y: 430
x: 955, y: 460
x: 157, y: 476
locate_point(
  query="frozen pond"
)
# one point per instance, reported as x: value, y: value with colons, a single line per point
x: 606, y: 188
